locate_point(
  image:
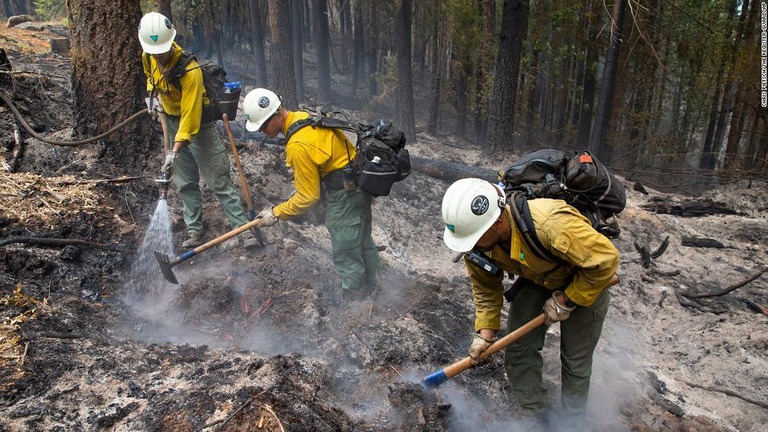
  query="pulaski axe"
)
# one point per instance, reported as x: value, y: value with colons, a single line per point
x: 436, y: 378
x: 167, y: 262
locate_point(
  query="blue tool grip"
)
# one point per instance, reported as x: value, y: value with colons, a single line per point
x: 435, y: 379
x: 187, y: 255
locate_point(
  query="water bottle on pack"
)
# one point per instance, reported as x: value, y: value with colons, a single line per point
x: 230, y: 98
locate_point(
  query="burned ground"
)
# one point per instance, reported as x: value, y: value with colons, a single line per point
x: 94, y: 338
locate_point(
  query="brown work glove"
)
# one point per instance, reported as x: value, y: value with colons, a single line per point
x: 267, y: 217
x: 479, y: 345
x: 555, y: 309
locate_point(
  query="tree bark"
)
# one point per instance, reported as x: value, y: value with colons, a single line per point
x: 257, y: 43
x: 501, y: 112
x: 164, y: 7
x: 404, y: 113
x: 106, y: 67
x: 298, y: 45
x: 608, y: 85
x: 438, y: 41
x: 322, y: 50
x: 358, y: 59
x: 281, y: 52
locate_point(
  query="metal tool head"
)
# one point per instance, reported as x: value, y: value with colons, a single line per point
x: 166, y: 266
x: 163, y: 183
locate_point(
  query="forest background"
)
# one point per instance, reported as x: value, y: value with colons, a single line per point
x: 670, y: 92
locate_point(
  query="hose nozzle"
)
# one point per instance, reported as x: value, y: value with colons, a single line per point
x: 163, y: 183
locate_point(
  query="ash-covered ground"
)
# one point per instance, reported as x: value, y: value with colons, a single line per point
x: 95, y: 338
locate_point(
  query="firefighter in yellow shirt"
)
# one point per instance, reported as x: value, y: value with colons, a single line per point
x: 317, y: 157
x: 197, y: 148
x: 570, y: 291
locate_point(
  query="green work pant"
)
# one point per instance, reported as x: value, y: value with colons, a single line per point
x: 348, y: 220
x: 578, y: 337
x: 204, y: 155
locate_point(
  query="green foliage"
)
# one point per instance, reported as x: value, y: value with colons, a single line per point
x: 50, y: 9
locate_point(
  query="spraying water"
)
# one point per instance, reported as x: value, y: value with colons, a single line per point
x: 146, y: 284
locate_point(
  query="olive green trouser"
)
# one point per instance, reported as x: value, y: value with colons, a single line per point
x: 348, y: 219
x: 204, y: 155
x: 579, y: 335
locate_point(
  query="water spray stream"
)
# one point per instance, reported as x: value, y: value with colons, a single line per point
x: 146, y: 284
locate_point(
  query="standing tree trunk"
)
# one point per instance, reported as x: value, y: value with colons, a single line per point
x: 98, y: 81
x: 281, y: 52
x: 501, y: 110
x: 322, y: 50
x: 298, y: 51
x: 345, y: 17
x: 257, y: 40
x: 608, y: 85
x: 372, y: 50
x: 404, y: 114
x: 164, y: 7
x: 438, y: 43
x: 589, y: 18
x: 358, y: 59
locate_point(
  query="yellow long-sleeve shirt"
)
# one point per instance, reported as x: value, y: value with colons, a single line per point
x: 589, y: 260
x: 312, y: 153
x: 187, y: 102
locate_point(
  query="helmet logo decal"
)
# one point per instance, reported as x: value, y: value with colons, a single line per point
x: 480, y: 205
x: 153, y: 37
x: 451, y: 228
x: 168, y: 23
x: 263, y: 102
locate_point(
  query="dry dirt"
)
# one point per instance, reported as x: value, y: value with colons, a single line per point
x: 94, y: 338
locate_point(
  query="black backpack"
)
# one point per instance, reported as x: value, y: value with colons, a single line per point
x: 578, y: 178
x: 381, y: 158
x: 214, y: 79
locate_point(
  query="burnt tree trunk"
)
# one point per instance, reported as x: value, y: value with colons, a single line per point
x: 164, y: 7
x: 257, y: 40
x: 501, y: 111
x: 322, y: 50
x: 608, y: 85
x: 281, y: 52
x: 298, y: 47
x: 404, y: 114
x: 359, y: 47
x: 438, y: 42
x: 106, y: 67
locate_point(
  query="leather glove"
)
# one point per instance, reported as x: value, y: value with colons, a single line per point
x: 168, y: 164
x: 479, y: 345
x: 555, y: 309
x: 268, y: 218
x: 153, y: 105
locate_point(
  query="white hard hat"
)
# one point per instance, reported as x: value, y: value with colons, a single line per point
x: 259, y: 105
x: 470, y: 207
x: 156, y: 33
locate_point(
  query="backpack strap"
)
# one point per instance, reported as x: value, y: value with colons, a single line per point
x: 319, y: 119
x: 174, y: 75
x: 521, y: 213
x: 298, y: 124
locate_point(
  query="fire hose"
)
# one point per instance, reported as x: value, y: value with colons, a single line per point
x: 26, y: 126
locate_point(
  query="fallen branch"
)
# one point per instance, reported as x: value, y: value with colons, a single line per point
x: 729, y: 393
x: 730, y: 288
x: 18, y: 149
x: 686, y: 302
x: 40, y: 241
x: 111, y: 180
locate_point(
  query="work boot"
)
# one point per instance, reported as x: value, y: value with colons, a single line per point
x: 195, y: 239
